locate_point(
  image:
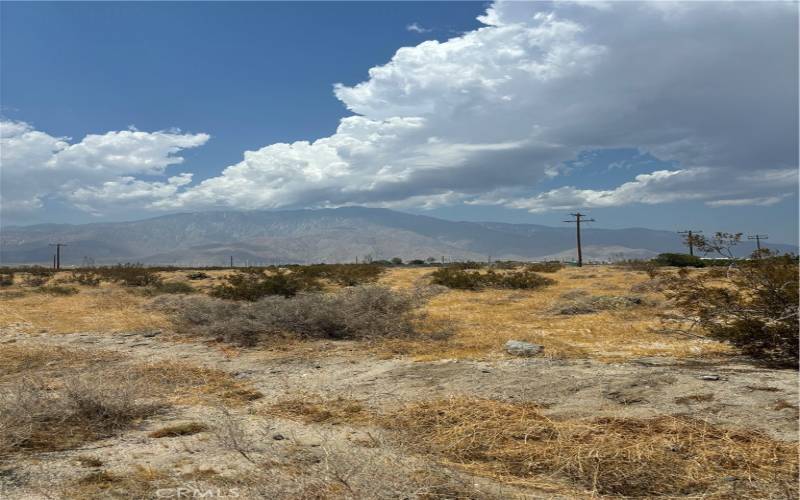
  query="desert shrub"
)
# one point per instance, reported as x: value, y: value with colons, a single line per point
x: 661, y: 456
x: 342, y: 274
x: 6, y: 279
x: 198, y: 275
x: 33, y: 416
x: 254, y: 284
x: 755, y: 309
x: 473, y: 280
x: 57, y: 290
x: 174, y: 287
x: 646, y: 266
x: 130, y: 274
x: 85, y: 278
x: 465, y: 265
x: 416, y: 262
x: 360, y: 312
x: 545, y: 267
x: 507, y: 264
x: 37, y: 276
x: 678, y: 260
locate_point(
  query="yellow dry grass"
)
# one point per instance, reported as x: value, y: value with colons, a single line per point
x: 483, y: 321
x: 107, y: 309
x: 312, y: 408
x: 628, y: 457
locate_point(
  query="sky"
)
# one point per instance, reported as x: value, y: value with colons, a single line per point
x: 642, y: 114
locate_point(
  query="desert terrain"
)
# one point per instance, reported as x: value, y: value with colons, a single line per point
x: 105, y: 396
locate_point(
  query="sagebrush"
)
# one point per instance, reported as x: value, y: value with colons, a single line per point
x: 366, y: 311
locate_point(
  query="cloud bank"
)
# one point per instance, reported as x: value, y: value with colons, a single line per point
x: 482, y: 118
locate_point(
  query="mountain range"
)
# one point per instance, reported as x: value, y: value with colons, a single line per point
x: 323, y: 235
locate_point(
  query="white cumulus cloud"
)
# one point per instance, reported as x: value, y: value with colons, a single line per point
x: 483, y: 117
x: 93, y: 173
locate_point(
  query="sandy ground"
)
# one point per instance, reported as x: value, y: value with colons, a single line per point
x: 731, y: 393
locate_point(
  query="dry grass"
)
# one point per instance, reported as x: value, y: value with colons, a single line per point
x: 184, y: 429
x: 107, y: 309
x: 660, y: 456
x: 18, y: 360
x: 483, y: 321
x: 139, y: 482
x: 309, y: 408
x: 185, y: 383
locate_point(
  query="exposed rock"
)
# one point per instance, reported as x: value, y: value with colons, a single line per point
x: 520, y: 348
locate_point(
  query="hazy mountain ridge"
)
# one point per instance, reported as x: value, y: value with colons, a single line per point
x: 324, y: 235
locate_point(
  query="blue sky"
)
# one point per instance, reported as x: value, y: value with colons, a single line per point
x: 521, y: 116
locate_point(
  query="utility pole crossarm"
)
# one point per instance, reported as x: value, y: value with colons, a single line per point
x: 579, y: 217
x: 690, y: 234
x: 758, y: 238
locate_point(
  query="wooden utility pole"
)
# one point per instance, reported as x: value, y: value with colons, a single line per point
x: 758, y: 238
x: 231, y: 260
x: 690, y: 239
x: 579, y: 217
x: 58, y: 253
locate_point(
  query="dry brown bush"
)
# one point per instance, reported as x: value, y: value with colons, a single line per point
x: 36, y: 416
x: 660, y: 456
x: 368, y: 311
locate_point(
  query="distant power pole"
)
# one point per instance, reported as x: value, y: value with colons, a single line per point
x: 578, y: 219
x: 758, y: 238
x: 690, y: 239
x: 231, y: 260
x: 58, y: 254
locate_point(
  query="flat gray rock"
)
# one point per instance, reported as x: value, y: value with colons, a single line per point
x: 520, y: 348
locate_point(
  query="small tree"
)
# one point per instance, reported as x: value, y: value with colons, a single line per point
x: 721, y: 244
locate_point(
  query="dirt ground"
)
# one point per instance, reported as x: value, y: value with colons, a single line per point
x: 312, y: 429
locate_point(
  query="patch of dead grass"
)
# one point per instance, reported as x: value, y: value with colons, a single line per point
x: 176, y: 430
x: 186, y: 383
x: 483, y: 321
x: 21, y: 360
x: 107, y: 309
x: 660, y: 456
x: 316, y: 409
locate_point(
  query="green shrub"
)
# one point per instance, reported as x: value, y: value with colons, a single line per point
x: 475, y: 280
x: 57, y: 290
x: 466, y: 265
x: 253, y: 284
x: 341, y: 274
x: 678, y: 260
x: 756, y: 309
x: 198, y: 275
x: 130, y: 274
x: 545, y: 267
x: 6, y: 279
x: 175, y: 287
x: 86, y: 278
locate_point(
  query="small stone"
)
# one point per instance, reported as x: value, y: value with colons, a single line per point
x: 151, y: 333
x: 520, y: 348
x: 278, y: 437
x: 708, y: 377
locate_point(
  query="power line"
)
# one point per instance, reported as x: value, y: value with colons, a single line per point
x: 578, y: 219
x: 690, y: 239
